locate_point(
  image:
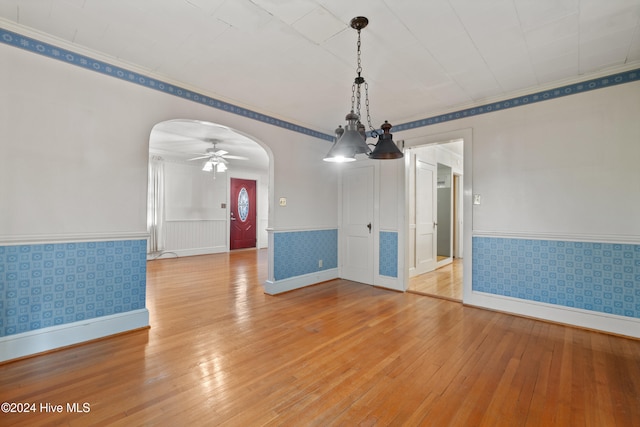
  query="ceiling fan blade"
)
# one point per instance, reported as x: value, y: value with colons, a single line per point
x: 221, y: 153
x: 236, y: 157
x: 198, y: 158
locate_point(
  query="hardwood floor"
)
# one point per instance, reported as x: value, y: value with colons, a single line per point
x: 221, y: 352
x: 444, y: 282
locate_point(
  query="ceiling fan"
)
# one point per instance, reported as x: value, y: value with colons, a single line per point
x: 216, y: 159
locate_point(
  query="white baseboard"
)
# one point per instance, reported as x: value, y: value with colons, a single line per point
x: 392, y: 283
x: 280, y: 286
x: 200, y: 251
x: 46, y: 339
x: 611, y: 323
x: 43, y: 239
x: 589, y: 238
x: 174, y: 253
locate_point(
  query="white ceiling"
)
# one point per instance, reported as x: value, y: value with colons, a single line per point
x: 182, y: 140
x: 296, y: 59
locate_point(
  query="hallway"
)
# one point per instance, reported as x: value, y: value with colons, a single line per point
x: 444, y: 282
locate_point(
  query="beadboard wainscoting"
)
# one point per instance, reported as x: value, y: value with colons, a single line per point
x: 196, y: 237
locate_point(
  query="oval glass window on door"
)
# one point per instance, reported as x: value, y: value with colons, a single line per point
x: 243, y: 204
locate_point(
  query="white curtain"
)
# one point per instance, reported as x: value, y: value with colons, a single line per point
x: 155, y: 205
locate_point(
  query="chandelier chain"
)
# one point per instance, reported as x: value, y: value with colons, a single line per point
x: 356, y: 92
x: 353, y: 98
x: 366, y: 103
x: 355, y: 88
x: 359, y: 69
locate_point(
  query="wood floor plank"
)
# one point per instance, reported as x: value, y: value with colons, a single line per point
x: 221, y: 352
x: 444, y: 282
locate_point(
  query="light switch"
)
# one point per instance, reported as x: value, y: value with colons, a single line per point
x: 476, y: 199
x: 283, y: 201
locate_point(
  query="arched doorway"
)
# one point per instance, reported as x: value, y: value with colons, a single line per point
x: 192, y: 163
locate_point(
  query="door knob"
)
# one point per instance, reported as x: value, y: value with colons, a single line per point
x: 369, y: 227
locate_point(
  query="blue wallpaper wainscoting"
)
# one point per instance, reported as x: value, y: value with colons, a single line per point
x: 600, y: 277
x: 45, y: 285
x: 297, y: 253
x: 388, y: 254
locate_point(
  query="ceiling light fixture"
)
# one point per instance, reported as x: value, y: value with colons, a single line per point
x: 208, y: 166
x: 352, y: 139
x: 214, y: 164
x: 216, y: 159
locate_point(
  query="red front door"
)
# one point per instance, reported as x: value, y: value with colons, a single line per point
x: 243, y: 213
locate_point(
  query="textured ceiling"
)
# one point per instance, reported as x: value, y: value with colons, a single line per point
x: 295, y: 59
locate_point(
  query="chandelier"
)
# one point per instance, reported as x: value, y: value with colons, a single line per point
x: 351, y: 139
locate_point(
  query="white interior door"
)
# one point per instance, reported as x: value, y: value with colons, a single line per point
x: 426, y: 217
x: 357, y: 224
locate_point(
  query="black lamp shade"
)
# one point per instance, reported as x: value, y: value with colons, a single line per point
x: 386, y: 148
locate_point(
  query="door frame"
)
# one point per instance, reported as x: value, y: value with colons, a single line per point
x: 449, y: 259
x: 458, y: 234
x: 467, y: 195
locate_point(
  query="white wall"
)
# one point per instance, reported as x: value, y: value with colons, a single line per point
x: 196, y: 222
x: 74, y: 150
x: 562, y: 167
x: 303, y: 158
x: 570, y: 168
x: 390, y: 210
x: 193, y: 195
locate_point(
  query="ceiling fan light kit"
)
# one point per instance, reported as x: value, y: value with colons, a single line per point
x: 216, y: 159
x: 352, y: 139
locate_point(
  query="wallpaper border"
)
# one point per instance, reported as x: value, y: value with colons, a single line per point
x: 70, y: 57
x: 27, y: 43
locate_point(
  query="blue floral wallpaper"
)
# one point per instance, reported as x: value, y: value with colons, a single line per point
x: 388, y: 254
x: 53, y: 284
x: 298, y: 252
x: 603, y: 277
